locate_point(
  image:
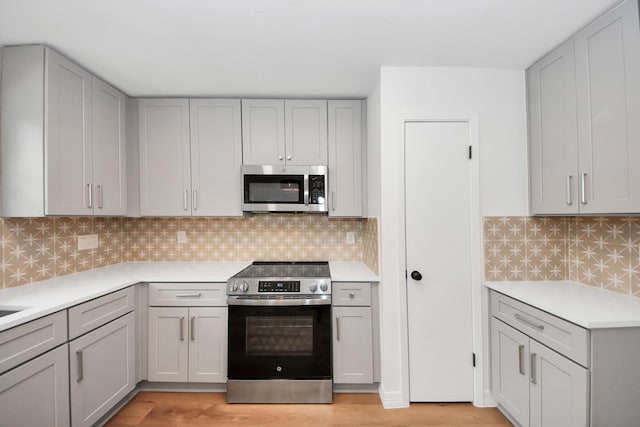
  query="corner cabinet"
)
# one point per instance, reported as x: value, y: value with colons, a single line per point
x: 284, y: 132
x: 584, y: 100
x: 345, y: 126
x: 187, y: 333
x: 190, y: 157
x: 63, y: 141
x: 353, y: 349
x: 547, y: 371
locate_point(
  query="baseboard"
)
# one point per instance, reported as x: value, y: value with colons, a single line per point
x: 183, y: 387
x: 392, y: 400
x: 356, y: 388
x: 488, y: 401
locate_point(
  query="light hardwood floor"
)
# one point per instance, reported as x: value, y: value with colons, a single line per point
x: 155, y: 409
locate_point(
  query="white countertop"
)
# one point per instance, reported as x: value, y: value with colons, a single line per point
x: 48, y: 296
x: 586, y: 306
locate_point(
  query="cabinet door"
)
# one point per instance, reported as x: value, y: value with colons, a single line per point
x: 102, y: 367
x: 509, y: 360
x: 168, y: 344
x: 216, y: 157
x: 352, y: 345
x: 37, y: 393
x: 553, y: 133
x: 305, y: 132
x: 263, y: 132
x: 345, y: 158
x: 165, y: 170
x: 109, y: 150
x: 559, y: 389
x: 608, y: 89
x: 68, y: 143
x: 208, y: 345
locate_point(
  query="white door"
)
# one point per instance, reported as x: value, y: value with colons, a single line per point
x: 208, y: 344
x: 305, y: 131
x: 438, y: 236
x: 168, y: 345
x: 263, y: 132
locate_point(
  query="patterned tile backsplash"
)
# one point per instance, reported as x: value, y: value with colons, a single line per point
x: 597, y: 251
x: 42, y: 248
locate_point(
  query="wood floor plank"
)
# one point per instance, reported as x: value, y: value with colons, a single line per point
x: 160, y: 409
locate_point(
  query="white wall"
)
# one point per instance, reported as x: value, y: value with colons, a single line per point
x: 373, y: 152
x: 497, y: 99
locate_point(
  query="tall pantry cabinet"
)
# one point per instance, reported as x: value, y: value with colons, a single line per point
x: 584, y: 104
x: 63, y: 137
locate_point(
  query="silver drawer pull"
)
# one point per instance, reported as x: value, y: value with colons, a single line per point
x: 528, y: 322
x: 193, y: 328
x: 337, y: 328
x: 189, y: 295
x: 352, y: 295
x: 182, y: 329
x: 521, y: 359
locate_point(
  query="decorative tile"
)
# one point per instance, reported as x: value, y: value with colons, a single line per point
x: 73, y: 226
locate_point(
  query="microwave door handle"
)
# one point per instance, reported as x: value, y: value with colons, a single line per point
x: 306, y: 189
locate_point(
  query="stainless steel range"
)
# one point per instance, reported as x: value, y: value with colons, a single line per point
x: 280, y: 333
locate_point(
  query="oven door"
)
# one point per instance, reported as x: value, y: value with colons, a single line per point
x: 279, y: 342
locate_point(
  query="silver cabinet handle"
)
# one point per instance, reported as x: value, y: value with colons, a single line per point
x: 528, y: 322
x: 337, y: 328
x: 279, y: 157
x: 195, y: 200
x: 583, y: 188
x: 352, y: 294
x: 193, y: 328
x: 569, y: 197
x: 100, y: 196
x: 182, y: 329
x: 189, y: 295
x: 185, y: 201
x: 90, y: 189
x: 521, y: 359
x: 333, y: 200
x: 288, y: 157
x: 532, y: 368
x: 80, y: 358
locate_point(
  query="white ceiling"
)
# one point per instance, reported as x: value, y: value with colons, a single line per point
x: 298, y: 48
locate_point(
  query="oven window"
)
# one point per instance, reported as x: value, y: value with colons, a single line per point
x: 279, y: 335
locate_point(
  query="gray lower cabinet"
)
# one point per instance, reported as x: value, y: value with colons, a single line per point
x: 535, y: 385
x: 547, y: 371
x: 187, y: 332
x: 352, y: 334
x: 37, y: 392
x: 102, y: 368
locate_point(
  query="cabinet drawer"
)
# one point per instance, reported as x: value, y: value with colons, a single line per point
x: 97, y: 312
x: 351, y: 294
x: 188, y: 294
x: 560, y: 335
x: 24, y: 342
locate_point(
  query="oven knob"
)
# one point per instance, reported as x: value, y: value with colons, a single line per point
x: 233, y: 287
x: 324, y: 287
x: 244, y: 287
x: 313, y: 287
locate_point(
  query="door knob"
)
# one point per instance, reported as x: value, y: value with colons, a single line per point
x: 415, y: 275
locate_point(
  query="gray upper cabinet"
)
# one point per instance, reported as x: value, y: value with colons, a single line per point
x: 279, y: 132
x: 216, y: 157
x: 58, y: 157
x: 109, y: 149
x: 584, y: 101
x: 553, y: 135
x: 608, y: 93
x: 190, y: 157
x: 345, y: 158
x: 165, y: 168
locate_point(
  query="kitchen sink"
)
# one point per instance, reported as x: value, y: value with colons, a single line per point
x: 9, y: 310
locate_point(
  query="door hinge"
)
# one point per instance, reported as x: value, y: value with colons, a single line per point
x: 470, y: 152
x: 473, y: 359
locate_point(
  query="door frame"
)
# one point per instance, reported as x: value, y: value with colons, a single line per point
x: 482, y: 396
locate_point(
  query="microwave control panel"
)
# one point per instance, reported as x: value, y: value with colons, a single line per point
x: 316, y: 189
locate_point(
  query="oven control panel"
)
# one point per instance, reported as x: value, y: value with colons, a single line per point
x: 278, y: 286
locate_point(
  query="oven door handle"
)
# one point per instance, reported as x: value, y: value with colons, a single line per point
x: 280, y: 302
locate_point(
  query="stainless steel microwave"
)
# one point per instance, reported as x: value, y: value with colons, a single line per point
x: 284, y: 188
